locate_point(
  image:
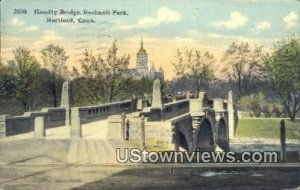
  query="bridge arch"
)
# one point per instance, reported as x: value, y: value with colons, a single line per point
x: 222, y: 134
x: 183, y: 135
x: 180, y: 141
x: 204, y: 138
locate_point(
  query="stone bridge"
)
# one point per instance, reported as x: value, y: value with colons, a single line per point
x: 189, y: 124
x: 195, y: 124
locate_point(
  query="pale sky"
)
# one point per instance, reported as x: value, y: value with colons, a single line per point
x: 164, y: 24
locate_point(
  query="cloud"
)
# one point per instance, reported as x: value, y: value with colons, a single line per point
x: 263, y: 25
x: 235, y: 20
x: 16, y: 22
x: 163, y: 15
x: 290, y: 19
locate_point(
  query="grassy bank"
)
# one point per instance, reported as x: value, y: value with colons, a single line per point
x: 266, y: 128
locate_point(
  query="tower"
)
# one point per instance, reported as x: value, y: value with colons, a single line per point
x: 161, y: 73
x: 142, y: 60
x: 152, y: 71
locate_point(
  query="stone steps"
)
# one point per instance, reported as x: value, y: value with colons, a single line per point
x: 94, y: 151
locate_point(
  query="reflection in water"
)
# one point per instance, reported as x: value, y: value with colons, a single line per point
x: 214, y: 173
x: 257, y: 175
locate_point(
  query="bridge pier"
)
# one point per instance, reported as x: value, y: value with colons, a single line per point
x: 221, y: 126
x: 39, y: 127
x: 195, y: 125
x: 66, y: 101
x: 75, y: 128
x: 123, y: 125
x: 142, y: 125
x: 231, y: 119
x: 174, y: 137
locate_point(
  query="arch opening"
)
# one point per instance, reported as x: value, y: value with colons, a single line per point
x: 181, y: 141
x: 204, y: 137
x: 222, y: 140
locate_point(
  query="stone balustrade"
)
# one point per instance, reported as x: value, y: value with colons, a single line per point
x: 54, y: 117
x: 90, y: 113
x: 12, y: 125
x: 174, y: 109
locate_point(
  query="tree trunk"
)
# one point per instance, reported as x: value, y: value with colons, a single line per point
x: 291, y: 107
x: 54, y: 97
x: 197, y: 91
x: 112, y: 89
x: 24, y: 103
x: 111, y: 93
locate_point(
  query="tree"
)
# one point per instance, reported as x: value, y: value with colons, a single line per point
x: 130, y: 86
x: 282, y: 68
x: 115, y: 67
x: 6, y: 81
x: 254, y: 103
x: 193, y: 65
x: 244, y: 64
x: 258, y: 104
x: 101, y: 77
x: 90, y: 86
x: 54, y: 57
x: 25, y: 69
x: 3, y: 76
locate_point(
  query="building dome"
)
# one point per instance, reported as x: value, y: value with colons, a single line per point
x: 142, y: 50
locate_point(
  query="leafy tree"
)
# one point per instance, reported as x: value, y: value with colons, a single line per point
x: 102, y: 77
x: 90, y: 86
x: 114, y: 66
x: 258, y: 104
x: 282, y: 68
x: 245, y: 103
x: 7, y: 86
x: 277, y: 109
x: 25, y: 69
x: 255, y: 103
x: 195, y: 66
x: 54, y: 57
x: 244, y: 64
x: 130, y: 86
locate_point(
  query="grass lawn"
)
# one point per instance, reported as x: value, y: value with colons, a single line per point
x: 266, y: 128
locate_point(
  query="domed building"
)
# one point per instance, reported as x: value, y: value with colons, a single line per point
x: 142, y: 69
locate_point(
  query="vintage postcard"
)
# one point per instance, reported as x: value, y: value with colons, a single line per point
x: 160, y: 94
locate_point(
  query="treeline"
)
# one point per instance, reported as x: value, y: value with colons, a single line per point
x: 27, y: 83
x: 264, y: 83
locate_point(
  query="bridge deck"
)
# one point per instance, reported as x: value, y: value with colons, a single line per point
x: 58, y: 147
x: 93, y: 130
